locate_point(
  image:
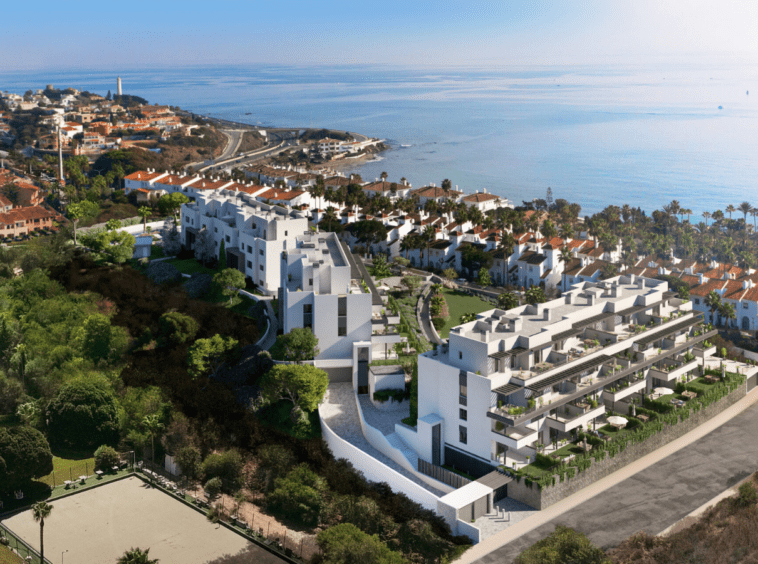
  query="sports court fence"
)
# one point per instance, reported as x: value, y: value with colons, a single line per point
x: 18, y: 546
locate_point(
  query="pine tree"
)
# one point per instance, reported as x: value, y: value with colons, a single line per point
x: 221, y: 256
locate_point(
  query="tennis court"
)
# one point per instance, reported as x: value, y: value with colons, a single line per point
x: 97, y: 526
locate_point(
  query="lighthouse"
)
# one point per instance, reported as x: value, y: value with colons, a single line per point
x: 118, y: 86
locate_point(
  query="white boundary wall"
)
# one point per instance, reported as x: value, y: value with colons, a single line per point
x: 375, y: 470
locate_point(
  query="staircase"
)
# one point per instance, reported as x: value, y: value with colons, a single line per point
x: 410, y: 455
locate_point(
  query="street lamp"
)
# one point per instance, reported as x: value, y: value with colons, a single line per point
x: 62, y: 553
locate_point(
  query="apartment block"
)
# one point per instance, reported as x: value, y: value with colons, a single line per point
x: 254, y: 234
x: 510, y: 382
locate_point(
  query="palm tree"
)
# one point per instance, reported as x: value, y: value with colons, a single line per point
x: 468, y: 317
x: 506, y: 245
x: 745, y: 208
x: 726, y: 311
x: 754, y: 213
x: 40, y: 512
x: 137, y: 556
x: 713, y: 301
x: 152, y: 425
x: 144, y: 212
x: 687, y: 212
x: 730, y: 209
x: 707, y: 216
x: 428, y: 236
x: 507, y: 300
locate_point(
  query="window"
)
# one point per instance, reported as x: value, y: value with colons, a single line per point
x: 463, y: 414
x: 260, y: 252
x: 228, y: 239
x: 460, y: 355
x: 249, y: 249
x: 310, y: 281
x: 250, y: 264
x: 342, y: 316
x: 697, y: 301
x: 261, y: 267
x: 215, y: 229
x: 462, y: 435
x: 308, y: 316
x: 285, y: 233
x: 744, y: 305
x: 463, y: 384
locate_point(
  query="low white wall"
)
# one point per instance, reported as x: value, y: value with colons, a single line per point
x: 377, y: 440
x: 375, y: 471
x: 469, y: 530
x: 411, y: 438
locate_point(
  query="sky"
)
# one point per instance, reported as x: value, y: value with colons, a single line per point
x: 139, y: 34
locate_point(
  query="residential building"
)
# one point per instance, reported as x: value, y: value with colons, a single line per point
x: 485, y: 202
x: 511, y: 381
x: 254, y: 234
x: 321, y: 278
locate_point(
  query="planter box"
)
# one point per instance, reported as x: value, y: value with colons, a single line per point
x: 674, y: 374
x: 704, y: 353
x: 559, y: 423
x: 625, y: 392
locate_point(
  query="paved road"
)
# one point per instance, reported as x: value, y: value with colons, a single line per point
x: 660, y: 495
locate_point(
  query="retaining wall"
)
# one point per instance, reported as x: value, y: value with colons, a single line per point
x: 376, y: 471
x: 543, y: 498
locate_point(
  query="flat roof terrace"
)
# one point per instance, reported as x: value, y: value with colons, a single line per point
x: 533, y: 320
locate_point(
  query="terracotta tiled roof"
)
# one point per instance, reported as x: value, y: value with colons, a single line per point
x: 435, y: 192
x: 280, y: 195
x: 142, y: 175
x: 478, y: 198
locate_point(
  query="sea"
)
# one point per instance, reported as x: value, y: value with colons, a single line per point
x: 596, y: 135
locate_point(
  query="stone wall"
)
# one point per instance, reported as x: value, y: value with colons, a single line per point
x: 543, y: 498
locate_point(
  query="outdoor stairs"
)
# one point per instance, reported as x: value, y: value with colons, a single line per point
x: 410, y: 455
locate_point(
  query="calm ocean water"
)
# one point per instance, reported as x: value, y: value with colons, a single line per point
x: 596, y: 135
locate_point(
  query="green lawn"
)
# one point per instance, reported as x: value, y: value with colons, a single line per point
x: 191, y: 266
x: 459, y: 303
x: 68, y: 468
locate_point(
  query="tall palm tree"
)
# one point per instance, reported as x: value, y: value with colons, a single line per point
x: 428, y: 236
x: 745, y: 208
x: 40, y: 512
x: 144, y: 212
x: 687, y: 212
x: 137, y: 556
x: 730, y: 209
x: 726, y: 311
x: 506, y: 245
x: 754, y: 213
x: 713, y: 301
x: 152, y: 425
x: 707, y: 216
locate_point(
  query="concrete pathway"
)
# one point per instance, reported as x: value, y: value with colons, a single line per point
x: 425, y: 319
x: 270, y: 338
x: 650, y: 494
x: 340, y: 412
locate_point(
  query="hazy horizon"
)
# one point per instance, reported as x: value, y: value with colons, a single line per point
x: 420, y: 34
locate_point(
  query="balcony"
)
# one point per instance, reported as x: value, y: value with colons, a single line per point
x: 577, y: 415
x: 514, y: 437
x: 669, y: 370
x: 704, y: 352
x: 619, y: 391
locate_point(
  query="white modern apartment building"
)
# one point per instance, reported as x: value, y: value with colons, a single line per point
x: 510, y: 382
x: 322, y: 288
x: 254, y: 234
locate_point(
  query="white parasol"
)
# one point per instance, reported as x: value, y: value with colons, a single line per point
x: 617, y: 420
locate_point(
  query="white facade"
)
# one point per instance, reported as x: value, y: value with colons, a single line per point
x: 318, y: 292
x: 482, y: 388
x: 254, y: 234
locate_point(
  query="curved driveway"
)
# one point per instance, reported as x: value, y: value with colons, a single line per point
x: 659, y: 495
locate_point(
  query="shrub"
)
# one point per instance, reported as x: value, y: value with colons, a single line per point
x: 212, y: 487
x: 177, y: 328
x: 163, y: 272
x: 438, y: 322
x: 199, y: 285
x: 384, y: 395
x: 106, y: 458
x: 227, y: 467
x: 299, y: 496
x: 747, y: 494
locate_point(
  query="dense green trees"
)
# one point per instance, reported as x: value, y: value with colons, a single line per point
x: 347, y: 543
x: 24, y: 455
x: 302, y: 385
x: 231, y: 282
x: 176, y: 328
x: 227, y: 466
x: 299, y: 495
x: 83, y: 414
x: 298, y: 345
x: 106, y: 457
x: 208, y: 356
